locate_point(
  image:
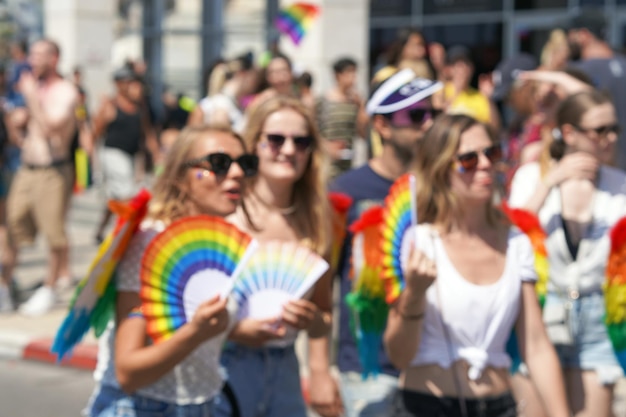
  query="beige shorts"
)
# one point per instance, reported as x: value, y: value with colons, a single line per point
x: 38, y: 201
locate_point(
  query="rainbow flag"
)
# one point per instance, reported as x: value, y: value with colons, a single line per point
x: 296, y: 20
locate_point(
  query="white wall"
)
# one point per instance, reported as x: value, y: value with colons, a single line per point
x: 84, y: 31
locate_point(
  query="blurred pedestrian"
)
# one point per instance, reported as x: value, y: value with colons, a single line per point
x: 401, y: 112
x: 587, y: 33
x: 123, y: 124
x: 341, y: 116
x: 46, y: 171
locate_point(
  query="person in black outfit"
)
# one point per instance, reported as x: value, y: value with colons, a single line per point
x: 123, y: 124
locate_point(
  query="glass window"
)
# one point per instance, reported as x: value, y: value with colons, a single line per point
x: 483, y: 39
x: 455, y: 6
x: 592, y: 2
x: 390, y: 8
x: 540, y: 4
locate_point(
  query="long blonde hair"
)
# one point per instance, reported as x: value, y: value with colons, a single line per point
x: 436, y: 201
x: 169, y: 199
x: 311, y: 220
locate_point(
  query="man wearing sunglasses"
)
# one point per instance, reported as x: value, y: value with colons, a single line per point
x: 401, y: 111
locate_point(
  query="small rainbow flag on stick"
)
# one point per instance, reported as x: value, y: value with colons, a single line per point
x: 296, y: 19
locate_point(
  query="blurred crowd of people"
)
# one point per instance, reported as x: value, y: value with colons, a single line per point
x: 542, y: 133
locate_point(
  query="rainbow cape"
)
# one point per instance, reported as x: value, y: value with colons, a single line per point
x: 367, y: 298
x: 340, y: 204
x: 93, y: 303
x: 296, y: 20
x: 529, y: 224
x: 615, y: 292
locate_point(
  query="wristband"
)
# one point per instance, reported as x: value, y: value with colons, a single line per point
x: 411, y: 317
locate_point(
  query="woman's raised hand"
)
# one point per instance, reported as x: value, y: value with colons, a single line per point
x: 211, y: 318
x: 420, y: 272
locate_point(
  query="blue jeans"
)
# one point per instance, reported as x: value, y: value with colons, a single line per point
x: 113, y: 402
x: 592, y: 348
x: 265, y: 381
x: 367, y: 398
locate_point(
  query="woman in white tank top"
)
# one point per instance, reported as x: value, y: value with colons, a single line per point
x: 469, y: 282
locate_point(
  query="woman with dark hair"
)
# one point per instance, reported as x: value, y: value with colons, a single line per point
x: 410, y: 44
x: 448, y: 329
x: 578, y: 198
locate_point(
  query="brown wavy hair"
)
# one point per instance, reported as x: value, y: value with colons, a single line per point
x: 311, y: 219
x: 169, y: 200
x: 436, y: 201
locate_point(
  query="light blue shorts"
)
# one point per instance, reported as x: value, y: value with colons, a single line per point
x: 591, y: 348
x: 265, y: 381
x: 372, y: 397
x: 109, y: 401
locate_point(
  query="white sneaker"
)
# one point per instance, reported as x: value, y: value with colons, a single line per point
x: 39, y: 303
x: 6, y: 303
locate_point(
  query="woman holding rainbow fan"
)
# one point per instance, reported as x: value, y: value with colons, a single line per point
x: 448, y: 327
x: 579, y: 199
x: 176, y: 373
x: 287, y: 202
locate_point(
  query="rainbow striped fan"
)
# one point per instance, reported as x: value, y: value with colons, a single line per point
x: 276, y: 273
x: 615, y: 292
x: 399, y: 215
x: 191, y: 261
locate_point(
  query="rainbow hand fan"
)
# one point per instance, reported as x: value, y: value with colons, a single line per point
x: 277, y: 272
x: 615, y: 292
x: 529, y: 224
x: 191, y: 261
x: 399, y: 215
x: 367, y: 298
x: 296, y: 19
x: 94, y: 300
x: 341, y: 204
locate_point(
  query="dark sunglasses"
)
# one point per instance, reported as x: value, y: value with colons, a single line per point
x: 469, y: 161
x: 414, y: 117
x: 220, y: 163
x: 301, y: 143
x: 601, y: 130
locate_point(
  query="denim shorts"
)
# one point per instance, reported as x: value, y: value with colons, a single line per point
x: 371, y: 397
x: 416, y: 404
x: 265, y: 382
x: 109, y: 401
x: 591, y: 348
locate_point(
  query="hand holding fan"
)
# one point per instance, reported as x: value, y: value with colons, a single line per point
x: 399, y: 216
x: 276, y: 273
x: 191, y: 261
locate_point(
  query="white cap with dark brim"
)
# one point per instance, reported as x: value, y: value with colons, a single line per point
x: 401, y: 90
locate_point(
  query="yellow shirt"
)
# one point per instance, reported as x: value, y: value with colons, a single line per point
x: 470, y: 102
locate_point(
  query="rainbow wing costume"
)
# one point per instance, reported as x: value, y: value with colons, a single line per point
x: 93, y: 303
x: 367, y: 298
x: 399, y: 216
x: 615, y: 292
x: 340, y: 204
x: 529, y: 224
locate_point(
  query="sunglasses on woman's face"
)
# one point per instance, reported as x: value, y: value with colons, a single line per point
x: 220, y: 163
x: 601, y: 131
x: 469, y: 161
x: 301, y: 143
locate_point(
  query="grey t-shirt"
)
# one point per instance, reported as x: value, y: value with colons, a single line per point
x: 610, y: 75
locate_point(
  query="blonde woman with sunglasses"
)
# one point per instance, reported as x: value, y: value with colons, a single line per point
x: 287, y: 201
x: 204, y: 173
x: 469, y: 283
x: 578, y: 198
